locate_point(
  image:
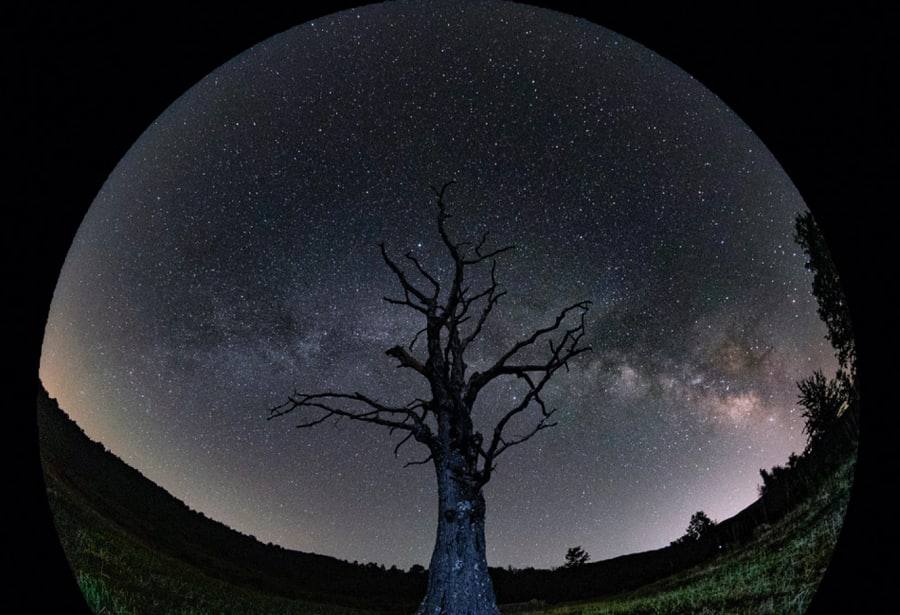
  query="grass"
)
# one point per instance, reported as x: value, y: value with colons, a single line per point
x: 100, y: 598
x: 776, y: 573
x: 119, y: 575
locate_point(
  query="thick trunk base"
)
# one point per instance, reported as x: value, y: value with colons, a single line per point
x: 465, y: 589
x: 458, y: 578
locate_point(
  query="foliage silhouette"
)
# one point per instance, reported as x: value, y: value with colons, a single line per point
x: 830, y: 406
x: 826, y: 288
x: 823, y: 401
x: 699, y: 528
x: 576, y: 556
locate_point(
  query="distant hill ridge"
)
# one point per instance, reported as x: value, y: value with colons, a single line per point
x: 121, y: 494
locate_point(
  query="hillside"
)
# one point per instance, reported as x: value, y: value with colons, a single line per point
x: 776, y: 573
x: 122, y: 531
x: 137, y: 549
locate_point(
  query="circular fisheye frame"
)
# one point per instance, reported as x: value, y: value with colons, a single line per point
x: 444, y: 308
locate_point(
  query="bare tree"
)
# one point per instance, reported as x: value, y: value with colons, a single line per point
x: 463, y: 458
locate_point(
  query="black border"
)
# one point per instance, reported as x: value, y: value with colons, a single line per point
x: 812, y: 82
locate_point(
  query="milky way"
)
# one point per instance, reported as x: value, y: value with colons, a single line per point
x: 231, y: 258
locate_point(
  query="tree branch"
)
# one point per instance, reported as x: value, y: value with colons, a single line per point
x: 420, y: 462
x: 407, y: 360
x: 499, y: 443
x: 428, y: 276
x: 379, y: 413
x: 408, y: 288
x: 493, y: 296
x: 416, y: 337
x: 560, y: 354
x: 402, y: 442
x: 492, y: 254
x: 541, y: 425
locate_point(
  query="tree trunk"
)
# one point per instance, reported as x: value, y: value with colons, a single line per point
x: 458, y: 579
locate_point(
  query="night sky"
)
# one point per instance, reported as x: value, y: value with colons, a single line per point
x: 231, y: 258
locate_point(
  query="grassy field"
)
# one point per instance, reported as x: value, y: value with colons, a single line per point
x: 118, y: 575
x: 777, y: 572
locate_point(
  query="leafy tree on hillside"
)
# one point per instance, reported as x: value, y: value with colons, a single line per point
x: 697, y: 529
x: 576, y: 556
x: 699, y: 525
x: 822, y: 400
x: 826, y: 288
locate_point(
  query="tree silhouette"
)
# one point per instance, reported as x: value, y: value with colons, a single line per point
x: 576, y: 556
x: 834, y: 402
x: 826, y: 287
x: 698, y: 527
x: 822, y: 401
x: 463, y: 458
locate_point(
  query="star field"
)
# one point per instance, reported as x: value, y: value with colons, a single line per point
x: 231, y: 257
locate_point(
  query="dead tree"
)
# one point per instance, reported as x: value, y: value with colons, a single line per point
x: 463, y: 458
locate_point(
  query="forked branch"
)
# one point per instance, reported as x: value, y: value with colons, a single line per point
x: 560, y: 354
x: 403, y: 418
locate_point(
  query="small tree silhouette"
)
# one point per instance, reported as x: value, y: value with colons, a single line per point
x: 576, y: 556
x: 822, y: 401
x: 698, y: 528
x: 699, y: 525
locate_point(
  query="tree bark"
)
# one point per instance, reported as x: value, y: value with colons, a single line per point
x: 458, y: 578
